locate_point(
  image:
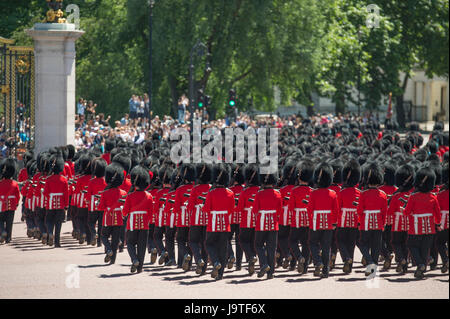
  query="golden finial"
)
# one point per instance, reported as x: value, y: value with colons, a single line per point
x: 55, y: 14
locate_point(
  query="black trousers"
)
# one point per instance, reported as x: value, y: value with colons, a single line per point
x: 112, y: 245
x: 197, y: 237
x: 334, y: 245
x: 386, y: 246
x: 158, y: 238
x: 419, y: 246
x: 137, y: 245
x: 442, y: 243
x: 6, y: 223
x: 299, y: 236
x: 346, y: 240
x: 399, y: 242
x: 371, y: 241
x: 95, y: 217
x: 320, y: 241
x: 123, y: 229
x: 182, y: 244
x: 73, y: 212
x: 170, y: 241
x: 41, y: 212
x: 151, y: 240
x: 235, y: 231
x: 247, y: 241
x: 82, y: 217
x: 266, y: 247
x: 283, y: 240
x: 216, y: 245
x: 29, y: 219
x: 53, y: 221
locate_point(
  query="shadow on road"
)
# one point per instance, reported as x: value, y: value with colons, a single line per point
x: 195, y: 282
x: 245, y: 281
x: 116, y: 275
x: 351, y: 279
x: 94, y: 266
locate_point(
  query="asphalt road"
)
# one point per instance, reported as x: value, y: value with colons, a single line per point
x: 32, y: 270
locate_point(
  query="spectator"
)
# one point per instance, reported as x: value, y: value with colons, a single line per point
x: 80, y: 106
x: 183, y: 102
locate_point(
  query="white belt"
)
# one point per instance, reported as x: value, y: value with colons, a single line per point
x: 183, y: 214
x: 397, y: 217
x: 369, y: 212
x: 315, y: 216
x: 297, y: 216
x: 249, y: 216
x: 81, y: 199
x: 285, y: 214
x: 109, y: 210
x: 443, y: 217
x: 172, y: 218
x: 132, y: 217
x: 416, y: 220
x: 197, y: 213
x: 160, y: 216
x: 263, y: 216
x: 51, y: 198
x: 344, y: 214
x: 215, y: 213
x: 92, y: 203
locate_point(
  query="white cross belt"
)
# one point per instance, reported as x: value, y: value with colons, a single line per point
x: 344, y: 214
x: 297, y: 215
x: 51, y: 198
x: 316, y: 212
x: 143, y: 212
x: 214, y: 216
x: 368, y: 213
x: 443, y: 217
x: 263, y: 216
x: 416, y: 220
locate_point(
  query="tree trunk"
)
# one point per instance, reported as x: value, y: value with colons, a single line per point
x: 174, y: 94
x: 401, y: 118
x: 340, y: 105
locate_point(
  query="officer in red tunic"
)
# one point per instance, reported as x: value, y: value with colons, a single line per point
x: 27, y: 193
x: 442, y: 235
x: 323, y: 209
x: 41, y: 212
x: 9, y: 198
x: 236, y: 186
x: 347, y: 222
x: 197, y: 217
x: 56, y: 194
x: 423, y: 214
x: 219, y: 205
x: 95, y: 186
x: 111, y: 204
x: 139, y: 209
x: 372, y: 209
x: 404, y: 179
x: 247, y: 225
x: 267, y: 209
x: 337, y: 166
x: 298, y: 203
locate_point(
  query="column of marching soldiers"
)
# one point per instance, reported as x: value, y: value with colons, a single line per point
x: 338, y: 189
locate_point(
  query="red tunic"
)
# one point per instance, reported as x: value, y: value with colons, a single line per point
x: 197, y: 216
x: 159, y: 206
x: 37, y: 194
x: 348, y: 216
x: 237, y: 190
x: 180, y: 206
x: 107, y: 157
x: 244, y: 208
x: 82, y: 185
x: 139, y: 205
x: 442, y: 198
x: 219, y: 205
x: 56, y: 192
x: 169, y: 215
x: 9, y: 195
x: 297, y: 208
x: 372, y: 209
x: 396, y: 212
x: 111, y: 207
x: 267, y: 209
x: 388, y: 190
x: 323, y: 209
x: 23, y: 175
x: 285, y: 218
x: 423, y: 212
x: 95, y: 186
x: 126, y: 185
x: 72, y: 168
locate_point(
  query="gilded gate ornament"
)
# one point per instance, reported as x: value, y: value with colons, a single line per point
x: 22, y: 65
x: 55, y: 14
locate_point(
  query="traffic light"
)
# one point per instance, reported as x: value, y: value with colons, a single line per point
x: 207, y: 101
x: 232, y: 98
x: 200, y: 99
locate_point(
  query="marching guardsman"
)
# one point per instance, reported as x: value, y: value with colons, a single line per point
x: 388, y: 188
x: 247, y: 225
x: 23, y: 179
x: 298, y: 204
x: 372, y: 209
x: 110, y: 144
x: 404, y: 179
x: 219, y: 205
x: 155, y: 187
x: 347, y: 231
x: 284, y: 223
x: 170, y: 220
x: 336, y: 186
x: 236, y: 186
x: 423, y: 214
x: 164, y: 174
x: 197, y: 217
x: 111, y: 203
x: 80, y: 192
x: 9, y: 198
x: 95, y: 186
x: 267, y: 209
x: 182, y: 215
x: 44, y: 168
x: 56, y: 193
x: 139, y: 207
x: 323, y: 209
x: 442, y: 235
x: 27, y: 193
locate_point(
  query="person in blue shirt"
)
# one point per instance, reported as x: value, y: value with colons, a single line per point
x: 133, y: 107
x: 80, y: 107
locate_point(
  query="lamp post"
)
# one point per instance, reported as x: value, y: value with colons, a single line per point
x: 150, y: 58
x: 197, y: 49
x: 359, y: 72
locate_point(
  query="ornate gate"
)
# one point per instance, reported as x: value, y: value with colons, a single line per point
x: 17, y: 98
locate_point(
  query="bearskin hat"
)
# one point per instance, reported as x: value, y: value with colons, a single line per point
x: 251, y: 173
x: 337, y: 166
x: 237, y: 174
x: 109, y: 145
x: 289, y: 173
x: 221, y: 174
x: 56, y: 164
x: 165, y: 173
x: 268, y: 178
x: 140, y: 177
x: 31, y: 168
x: 203, y: 173
x: 124, y: 160
x: 70, y: 151
x: 8, y: 168
x: 389, y: 173
x: 305, y: 171
x: 84, y: 163
x: 425, y: 179
x: 373, y: 174
x: 404, y: 177
x: 28, y: 156
x: 414, y: 127
x: 114, y: 175
x: 187, y: 173
x: 323, y: 175
x: 351, y: 173
x: 98, y: 167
